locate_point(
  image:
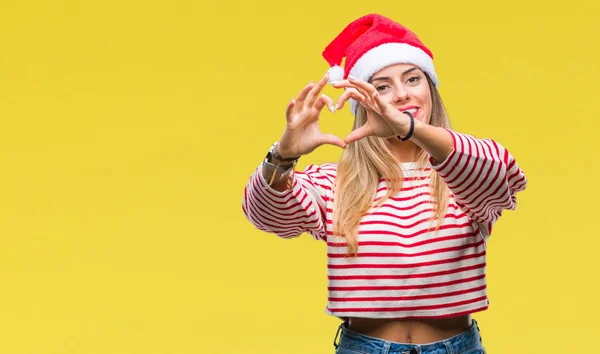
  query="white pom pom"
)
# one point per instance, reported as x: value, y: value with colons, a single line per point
x: 336, y: 73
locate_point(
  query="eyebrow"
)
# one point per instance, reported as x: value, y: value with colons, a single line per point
x: 387, y: 78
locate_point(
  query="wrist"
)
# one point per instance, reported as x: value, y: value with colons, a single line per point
x: 283, y: 156
x: 277, y: 168
x: 406, y: 130
x: 275, y: 159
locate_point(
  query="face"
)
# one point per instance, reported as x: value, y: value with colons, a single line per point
x: 405, y: 87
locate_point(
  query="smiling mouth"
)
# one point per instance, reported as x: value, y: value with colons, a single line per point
x: 412, y: 111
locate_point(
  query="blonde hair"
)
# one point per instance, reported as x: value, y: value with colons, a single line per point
x: 365, y: 162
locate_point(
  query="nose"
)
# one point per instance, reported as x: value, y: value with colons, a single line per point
x: 401, y: 94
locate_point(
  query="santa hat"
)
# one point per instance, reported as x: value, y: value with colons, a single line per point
x: 372, y: 43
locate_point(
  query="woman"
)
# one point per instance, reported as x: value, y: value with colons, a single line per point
x: 407, y: 211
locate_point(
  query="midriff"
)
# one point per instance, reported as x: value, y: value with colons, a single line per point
x: 414, y: 331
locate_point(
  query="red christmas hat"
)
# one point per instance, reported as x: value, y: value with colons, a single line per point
x: 372, y: 43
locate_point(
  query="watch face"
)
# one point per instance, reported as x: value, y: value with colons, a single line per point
x: 270, y: 153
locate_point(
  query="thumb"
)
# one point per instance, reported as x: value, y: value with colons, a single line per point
x: 332, y: 140
x: 358, y: 134
x: 380, y: 104
x: 288, y: 110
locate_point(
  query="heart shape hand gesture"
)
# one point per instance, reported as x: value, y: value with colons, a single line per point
x: 302, y: 134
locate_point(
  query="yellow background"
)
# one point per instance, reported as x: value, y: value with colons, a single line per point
x: 129, y: 129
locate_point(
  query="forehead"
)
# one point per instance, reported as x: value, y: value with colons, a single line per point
x: 396, y: 70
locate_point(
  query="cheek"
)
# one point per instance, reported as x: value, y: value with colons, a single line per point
x: 424, y: 96
x: 387, y: 97
x: 425, y: 116
x: 426, y: 103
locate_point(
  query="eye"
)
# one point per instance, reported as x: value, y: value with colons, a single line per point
x: 382, y: 88
x: 413, y: 79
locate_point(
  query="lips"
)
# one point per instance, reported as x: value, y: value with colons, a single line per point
x: 412, y: 110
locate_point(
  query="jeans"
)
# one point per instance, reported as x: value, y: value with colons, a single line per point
x: 467, y: 342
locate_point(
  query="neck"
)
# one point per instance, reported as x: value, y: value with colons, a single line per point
x: 404, y: 151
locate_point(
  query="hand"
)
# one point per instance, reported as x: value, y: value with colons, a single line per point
x: 383, y: 119
x: 302, y: 134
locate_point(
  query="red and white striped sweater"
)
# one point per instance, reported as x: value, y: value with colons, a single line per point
x: 404, y: 269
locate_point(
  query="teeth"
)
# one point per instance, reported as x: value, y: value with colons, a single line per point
x: 411, y: 111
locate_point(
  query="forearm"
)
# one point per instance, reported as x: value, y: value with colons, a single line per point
x: 292, y: 211
x: 435, y: 140
x: 286, y: 214
x: 483, y: 176
x: 278, y: 180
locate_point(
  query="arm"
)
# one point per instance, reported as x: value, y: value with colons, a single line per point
x: 481, y: 173
x: 294, y: 204
x: 483, y: 176
x: 436, y: 141
x: 290, y: 212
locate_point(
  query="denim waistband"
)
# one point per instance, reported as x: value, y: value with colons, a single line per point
x: 460, y: 342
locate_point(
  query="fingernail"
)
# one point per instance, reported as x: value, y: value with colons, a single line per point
x: 311, y: 82
x: 351, y: 77
x: 331, y: 108
x: 335, y: 82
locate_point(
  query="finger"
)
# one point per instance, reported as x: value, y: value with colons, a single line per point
x: 332, y: 140
x: 367, y: 96
x: 363, y: 85
x: 350, y: 93
x: 345, y: 84
x: 358, y: 134
x: 288, y: 110
x: 341, y: 83
x: 302, y: 95
x: 379, y: 102
x: 312, y: 96
x: 348, y: 85
x: 325, y: 100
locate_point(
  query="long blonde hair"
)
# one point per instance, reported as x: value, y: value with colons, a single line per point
x: 365, y: 162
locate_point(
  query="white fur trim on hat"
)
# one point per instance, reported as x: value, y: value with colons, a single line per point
x: 389, y: 54
x: 336, y: 73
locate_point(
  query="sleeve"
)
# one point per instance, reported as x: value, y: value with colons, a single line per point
x: 483, y: 176
x: 289, y: 213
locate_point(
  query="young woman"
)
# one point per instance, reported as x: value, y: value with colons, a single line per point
x: 407, y: 211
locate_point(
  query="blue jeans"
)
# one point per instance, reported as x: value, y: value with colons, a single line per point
x: 467, y: 342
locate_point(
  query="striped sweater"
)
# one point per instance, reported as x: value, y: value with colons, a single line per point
x: 404, y: 268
